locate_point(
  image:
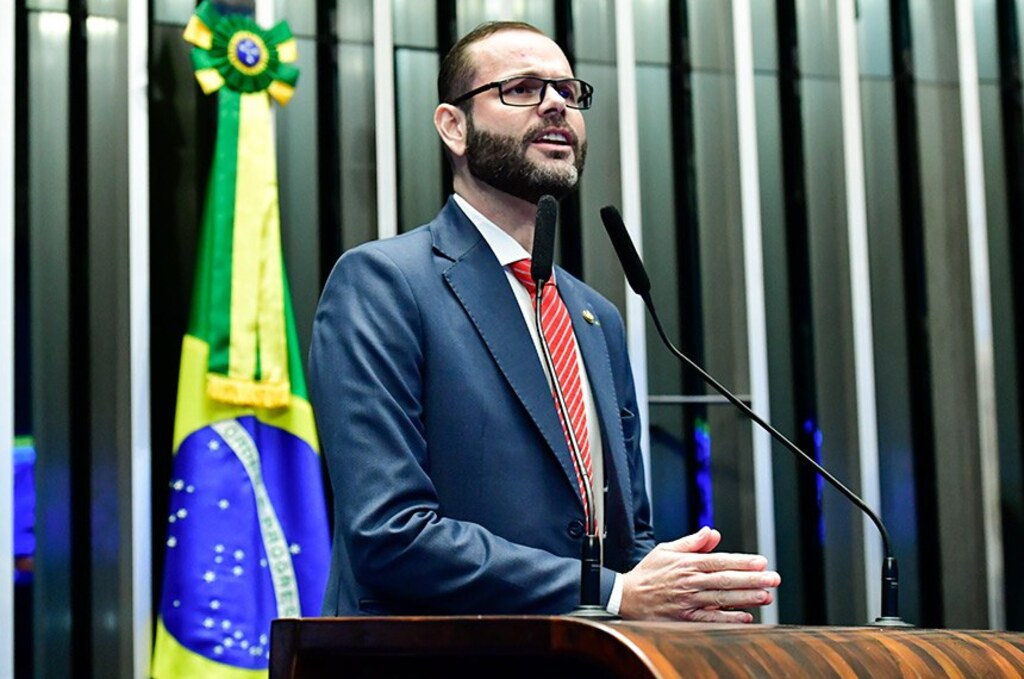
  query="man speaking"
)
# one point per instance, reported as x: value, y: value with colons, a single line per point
x: 455, y: 488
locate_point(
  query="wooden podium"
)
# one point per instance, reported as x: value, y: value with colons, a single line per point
x: 565, y: 647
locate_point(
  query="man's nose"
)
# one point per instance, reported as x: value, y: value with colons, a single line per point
x: 551, y: 101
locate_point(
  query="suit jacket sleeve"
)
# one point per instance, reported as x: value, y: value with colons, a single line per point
x: 366, y: 367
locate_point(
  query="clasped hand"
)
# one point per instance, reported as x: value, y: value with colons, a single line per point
x: 685, y: 580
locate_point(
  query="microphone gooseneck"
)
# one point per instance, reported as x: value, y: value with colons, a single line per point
x: 640, y: 283
x: 542, y: 260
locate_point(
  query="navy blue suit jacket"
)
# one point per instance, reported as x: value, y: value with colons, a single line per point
x: 454, y: 490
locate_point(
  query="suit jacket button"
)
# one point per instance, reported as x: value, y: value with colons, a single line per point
x: 575, y: 529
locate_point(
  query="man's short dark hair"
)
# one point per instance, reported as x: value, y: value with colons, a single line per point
x: 457, y: 69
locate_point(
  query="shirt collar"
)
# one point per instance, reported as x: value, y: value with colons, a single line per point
x: 506, y: 248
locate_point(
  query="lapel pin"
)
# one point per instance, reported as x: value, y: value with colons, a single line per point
x: 589, y: 317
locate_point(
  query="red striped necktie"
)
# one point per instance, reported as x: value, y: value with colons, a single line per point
x: 557, y: 330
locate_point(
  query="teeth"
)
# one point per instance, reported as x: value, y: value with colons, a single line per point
x: 551, y: 136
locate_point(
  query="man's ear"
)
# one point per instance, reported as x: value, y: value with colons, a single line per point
x: 450, y: 122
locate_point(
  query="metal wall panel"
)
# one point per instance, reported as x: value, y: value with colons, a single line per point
x: 48, y: 224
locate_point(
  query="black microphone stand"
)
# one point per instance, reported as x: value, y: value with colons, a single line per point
x: 638, y: 280
x: 890, y: 570
x: 590, y: 559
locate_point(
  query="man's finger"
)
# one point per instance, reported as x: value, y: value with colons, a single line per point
x: 726, y: 561
x: 736, y: 598
x: 703, y: 540
x: 705, y: 615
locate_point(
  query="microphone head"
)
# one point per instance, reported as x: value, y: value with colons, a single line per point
x: 544, y: 239
x: 632, y: 265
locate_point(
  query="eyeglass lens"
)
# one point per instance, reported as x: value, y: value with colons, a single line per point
x: 530, y: 91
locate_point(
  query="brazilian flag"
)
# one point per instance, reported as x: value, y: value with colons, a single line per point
x: 247, y: 534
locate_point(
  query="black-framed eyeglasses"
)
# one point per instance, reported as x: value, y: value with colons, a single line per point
x: 528, y: 90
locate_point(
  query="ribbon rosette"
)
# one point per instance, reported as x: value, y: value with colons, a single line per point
x: 234, y: 50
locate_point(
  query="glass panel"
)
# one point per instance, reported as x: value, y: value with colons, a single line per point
x: 711, y: 35
x: 173, y: 11
x: 668, y: 450
x: 594, y: 23
x: 785, y: 475
x: 1019, y: 7
x: 1000, y: 248
x: 117, y: 9
x: 415, y: 24
x: 355, y: 20
x: 766, y: 46
x: 657, y: 193
x: 951, y: 346
x: 892, y: 387
x: 601, y: 184
x: 933, y: 25
x: 722, y: 300
x: 471, y: 13
x: 833, y: 343
x: 986, y: 39
x: 297, y: 152
x: 358, y: 152
x: 300, y: 15
x: 419, y: 150
x: 819, y: 38
x: 718, y: 203
x: 874, y: 48
x: 650, y: 31
x: 54, y: 5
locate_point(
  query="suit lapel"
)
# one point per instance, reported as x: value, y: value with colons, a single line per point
x: 480, y: 285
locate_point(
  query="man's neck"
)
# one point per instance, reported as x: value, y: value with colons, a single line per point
x: 512, y: 215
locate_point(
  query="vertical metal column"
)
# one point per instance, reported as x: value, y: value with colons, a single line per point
x: 141, y: 614
x: 447, y: 35
x: 860, y: 291
x: 570, y: 223
x: 753, y: 274
x: 916, y: 311
x: 981, y: 310
x: 79, y: 349
x: 7, y: 336
x: 1012, y: 100
x: 384, y: 102
x: 801, y: 313
x: 629, y: 154
x: 328, y: 134
x: 688, y: 269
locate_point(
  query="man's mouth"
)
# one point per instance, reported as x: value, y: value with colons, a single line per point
x: 554, y: 137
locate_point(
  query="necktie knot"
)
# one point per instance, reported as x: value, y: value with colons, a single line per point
x: 522, y: 270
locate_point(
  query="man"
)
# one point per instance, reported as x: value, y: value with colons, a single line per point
x: 454, y: 487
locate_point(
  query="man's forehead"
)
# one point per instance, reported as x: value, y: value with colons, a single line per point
x: 516, y: 52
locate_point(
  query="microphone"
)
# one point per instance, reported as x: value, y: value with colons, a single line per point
x: 636, y: 276
x: 544, y: 241
x: 540, y: 270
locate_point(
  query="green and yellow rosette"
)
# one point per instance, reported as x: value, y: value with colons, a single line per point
x: 241, y: 304
x: 233, y: 50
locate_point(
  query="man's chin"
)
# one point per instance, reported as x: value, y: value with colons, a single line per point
x: 556, y: 155
x: 532, y: 193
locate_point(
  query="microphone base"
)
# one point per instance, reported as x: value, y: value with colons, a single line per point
x: 592, y: 612
x: 890, y: 622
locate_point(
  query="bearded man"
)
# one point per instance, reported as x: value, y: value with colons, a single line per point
x: 454, y: 488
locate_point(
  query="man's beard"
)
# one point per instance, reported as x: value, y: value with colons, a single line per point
x: 501, y: 162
